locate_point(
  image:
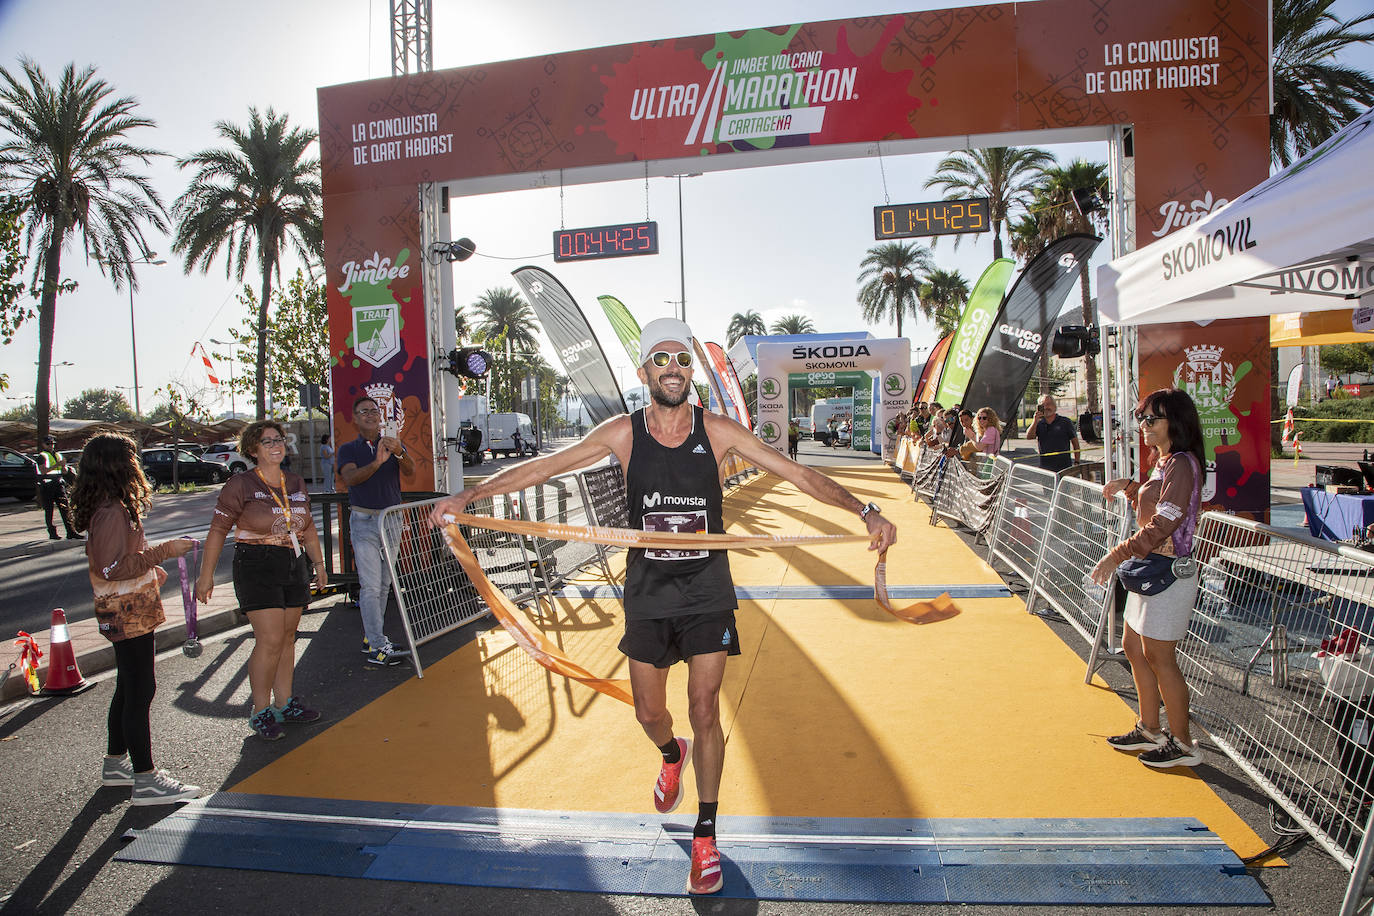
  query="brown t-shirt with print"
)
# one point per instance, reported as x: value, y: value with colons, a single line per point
x: 256, y: 508
x: 126, y: 574
x: 1160, y: 506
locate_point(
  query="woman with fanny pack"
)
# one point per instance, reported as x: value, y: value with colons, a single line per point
x: 1155, y: 567
x: 274, y: 549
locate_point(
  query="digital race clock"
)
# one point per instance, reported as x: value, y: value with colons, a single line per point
x: 936, y: 217
x: 616, y: 241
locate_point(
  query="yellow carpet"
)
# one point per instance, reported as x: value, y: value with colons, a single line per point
x: 834, y: 709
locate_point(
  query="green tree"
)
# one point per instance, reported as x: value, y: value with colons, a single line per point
x: 99, y: 404
x: 1314, y: 95
x: 297, y: 344
x: 744, y: 324
x: 503, y: 317
x: 14, y: 311
x: 1006, y: 175
x: 942, y: 299
x: 67, y: 156
x: 793, y: 324
x: 889, y: 285
x: 27, y: 413
x: 1348, y: 359
x: 256, y: 196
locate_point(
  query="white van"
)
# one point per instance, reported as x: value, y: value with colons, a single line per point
x: 501, y: 430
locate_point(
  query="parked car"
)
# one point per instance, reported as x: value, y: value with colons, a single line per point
x: 18, y: 475
x: 157, y: 464
x: 223, y: 452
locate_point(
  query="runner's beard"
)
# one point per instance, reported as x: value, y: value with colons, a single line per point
x: 662, y: 397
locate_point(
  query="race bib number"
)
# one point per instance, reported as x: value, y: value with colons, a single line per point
x: 692, y: 520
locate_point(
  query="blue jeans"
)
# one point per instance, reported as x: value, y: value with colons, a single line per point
x: 374, y: 576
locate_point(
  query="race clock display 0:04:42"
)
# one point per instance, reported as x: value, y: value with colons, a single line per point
x: 596, y: 242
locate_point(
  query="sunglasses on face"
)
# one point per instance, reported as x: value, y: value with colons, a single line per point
x: 661, y: 358
x: 1147, y: 419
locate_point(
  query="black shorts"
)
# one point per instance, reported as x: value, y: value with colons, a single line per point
x: 266, y: 575
x: 664, y: 641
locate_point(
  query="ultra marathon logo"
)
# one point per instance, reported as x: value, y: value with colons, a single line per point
x: 769, y: 95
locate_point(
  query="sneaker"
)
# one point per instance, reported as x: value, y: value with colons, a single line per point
x: 390, y: 648
x: 705, y: 877
x: 117, y: 772
x: 668, y: 788
x: 1139, y: 738
x: 386, y: 657
x: 1172, y: 754
x: 367, y: 646
x: 264, y: 723
x: 296, y: 713
x: 159, y: 788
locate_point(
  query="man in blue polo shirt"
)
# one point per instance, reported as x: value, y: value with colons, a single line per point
x: 371, y: 466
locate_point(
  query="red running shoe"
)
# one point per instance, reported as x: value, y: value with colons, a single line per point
x: 705, y: 877
x: 668, y: 789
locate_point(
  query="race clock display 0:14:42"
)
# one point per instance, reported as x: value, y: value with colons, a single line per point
x: 617, y: 241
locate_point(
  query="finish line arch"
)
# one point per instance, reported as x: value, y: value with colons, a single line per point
x: 890, y: 359
x: 1187, y: 79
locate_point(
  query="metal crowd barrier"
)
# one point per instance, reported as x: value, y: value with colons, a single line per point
x: 926, y: 477
x: 1081, y: 527
x: 967, y: 498
x: 1022, y: 519
x: 434, y: 594
x: 562, y: 500
x: 1279, y: 657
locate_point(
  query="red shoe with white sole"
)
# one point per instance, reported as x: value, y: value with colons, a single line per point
x: 668, y: 788
x: 706, y: 877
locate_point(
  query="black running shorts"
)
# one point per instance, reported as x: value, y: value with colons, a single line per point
x: 266, y: 575
x: 664, y: 641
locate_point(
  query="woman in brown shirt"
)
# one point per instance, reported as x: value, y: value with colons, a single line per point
x: 109, y: 500
x: 1166, y: 503
x: 274, y: 548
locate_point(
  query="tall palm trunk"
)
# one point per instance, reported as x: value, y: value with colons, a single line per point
x: 47, y: 322
x: 1089, y: 320
x: 269, y: 260
x: 996, y: 239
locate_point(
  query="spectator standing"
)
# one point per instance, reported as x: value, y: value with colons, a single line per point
x: 1166, y: 506
x: 52, y: 488
x: 793, y: 438
x: 371, y: 466
x: 274, y: 549
x: 1054, y: 436
x: 110, y: 498
x: 327, y: 463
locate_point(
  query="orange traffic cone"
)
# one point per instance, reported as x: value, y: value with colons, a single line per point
x: 64, y: 677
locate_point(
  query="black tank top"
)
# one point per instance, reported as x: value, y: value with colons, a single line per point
x: 675, y: 489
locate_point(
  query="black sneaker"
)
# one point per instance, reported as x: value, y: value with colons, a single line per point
x: 1172, y: 754
x: 1139, y: 738
x: 297, y: 713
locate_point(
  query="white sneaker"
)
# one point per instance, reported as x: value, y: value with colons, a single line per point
x: 117, y: 771
x: 159, y: 788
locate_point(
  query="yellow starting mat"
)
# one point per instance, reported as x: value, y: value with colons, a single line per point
x: 835, y: 709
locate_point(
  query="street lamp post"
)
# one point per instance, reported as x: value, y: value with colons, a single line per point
x: 233, y: 413
x: 681, y: 246
x: 149, y: 257
x: 56, y: 396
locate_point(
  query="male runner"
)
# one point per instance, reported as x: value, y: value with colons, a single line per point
x: 679, y: 604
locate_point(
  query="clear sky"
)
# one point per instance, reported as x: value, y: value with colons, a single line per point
x: 779, y: 240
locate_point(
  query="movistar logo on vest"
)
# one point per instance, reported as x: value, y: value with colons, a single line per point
x: 655, y: 499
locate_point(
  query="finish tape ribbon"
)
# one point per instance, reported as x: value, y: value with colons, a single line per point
x: 191, y: 648
x: 555, y: 660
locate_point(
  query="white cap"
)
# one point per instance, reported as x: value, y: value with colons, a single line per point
x: 661, y: 330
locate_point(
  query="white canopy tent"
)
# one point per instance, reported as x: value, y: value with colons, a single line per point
x: 1302, y: 241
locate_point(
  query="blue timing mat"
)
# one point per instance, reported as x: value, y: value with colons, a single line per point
x: 804, y: 592
x: 1126, y: 862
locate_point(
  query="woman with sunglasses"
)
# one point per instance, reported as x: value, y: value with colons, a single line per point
x: 1166, y: 502
x: 274, y: 548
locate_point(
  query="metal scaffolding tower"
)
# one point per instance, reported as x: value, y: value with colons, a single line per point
x: 412, y: 36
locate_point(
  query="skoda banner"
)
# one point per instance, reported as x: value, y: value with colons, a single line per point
x: 572, y: 337
x: 1023, y: 327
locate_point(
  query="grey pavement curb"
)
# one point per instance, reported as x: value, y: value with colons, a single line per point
x: 99, y: 660
x: 47, y: 545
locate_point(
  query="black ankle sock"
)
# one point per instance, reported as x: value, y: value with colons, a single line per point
x: 672, y: 751
x: 706, y: 820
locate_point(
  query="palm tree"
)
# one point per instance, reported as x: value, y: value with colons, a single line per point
x: 462, y: 328
x: 793, y: 324
x: 1027, y: 239
x: 1313, y: 95
x: 1057, y: 216
x: 744, y: 324
x: 942, y: 299
x: 890, y: 287
x: 66, y: 159
x: 1005, y: 175
x: 505, y: 320
x: 254, y: 197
